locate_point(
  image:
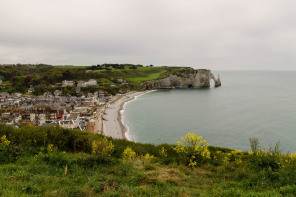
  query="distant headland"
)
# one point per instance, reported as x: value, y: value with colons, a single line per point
x: 37, y: 79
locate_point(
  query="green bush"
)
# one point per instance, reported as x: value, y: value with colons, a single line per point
x: 102, y: 149
x: 261, y: 159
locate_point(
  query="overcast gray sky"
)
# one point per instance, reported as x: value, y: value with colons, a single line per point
x: 213, y: 34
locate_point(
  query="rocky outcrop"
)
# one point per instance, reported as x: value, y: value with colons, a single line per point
x: 217, y: 81
x: 186, y: 79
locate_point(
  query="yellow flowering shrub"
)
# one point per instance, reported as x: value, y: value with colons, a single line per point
x: 4, y: 142
x: 148, y: 157
x: 4, y: 149
x: 238, y: 161
x: 128, y: 153
x: 289, y: 159
x: 50, y: 148
x: 44, y: 151
x: 221, y: 158
x: 192, y: 149
x: 225, y: 158
x: 163, y: 152
x: 102, y: 148
x: 192, y: 162
x: 40, y: 154
x: 236, y: 152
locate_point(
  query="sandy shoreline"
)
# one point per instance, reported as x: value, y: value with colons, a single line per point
x: 112, y: 117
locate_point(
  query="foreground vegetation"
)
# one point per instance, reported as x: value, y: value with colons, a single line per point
x: 59, y: 162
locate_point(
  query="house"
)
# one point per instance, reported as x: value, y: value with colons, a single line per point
x: 101, y: 94
x: 92, y: 82
x: 4, y: 95
x: 68, y: 124
x: 87, y: 102
x: 47, y: 94
x: 31, y: 89
x: 77, y: 90
x: 81, y: 84
x: 96, y: 94
x: 57, y: 93
x: 121, y: 80
x: 112, y: 84
x: 75, y: 116
x: 72, y: 121
x: 6, y: 117
x: 66, y: 83
x: 17, y: 94
x: 89, y: 95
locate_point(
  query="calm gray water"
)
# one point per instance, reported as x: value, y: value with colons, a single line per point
x: 259, y: 104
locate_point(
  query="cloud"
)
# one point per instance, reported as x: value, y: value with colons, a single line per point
x: 214, y: 34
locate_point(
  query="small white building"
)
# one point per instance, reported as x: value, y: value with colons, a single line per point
x: 31, y: 89
x: 92, y: 82
x: 57, y: 93
x: 17, y: 94
x: 66, y: 83
x: 81, y: 84
x: 77, y: 90
x: 72, y: 121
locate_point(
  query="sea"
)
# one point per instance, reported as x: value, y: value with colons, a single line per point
x: 249, y: 104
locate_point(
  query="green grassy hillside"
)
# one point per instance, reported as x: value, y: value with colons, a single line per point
x: 18, y: 78
x: 50, y: 161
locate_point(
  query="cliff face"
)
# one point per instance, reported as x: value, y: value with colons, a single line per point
x: 191, y: 78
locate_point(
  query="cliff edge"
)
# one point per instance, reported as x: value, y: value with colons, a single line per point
x: 187, y: 79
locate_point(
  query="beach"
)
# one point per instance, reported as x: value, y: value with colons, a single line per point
x: 112, y: 118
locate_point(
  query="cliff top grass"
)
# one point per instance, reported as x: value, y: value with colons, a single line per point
x: 52, y: 161
x: 140, y: 74
x: 72, y: 67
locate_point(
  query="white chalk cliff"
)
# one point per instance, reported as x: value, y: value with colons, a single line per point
x: 187, y: 79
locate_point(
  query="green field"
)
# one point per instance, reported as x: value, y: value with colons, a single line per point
x: 72, y: 67
x: 141, y: 74
x: 147, y: 76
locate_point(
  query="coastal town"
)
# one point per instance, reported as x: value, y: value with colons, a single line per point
x: 91, y: 112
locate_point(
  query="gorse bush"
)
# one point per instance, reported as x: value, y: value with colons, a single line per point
x: 49, y: 149
x: 148, y: 158
x: 4, y: 149
x: 193, y: 150
x: 102, y: 148
x: 4, y: 142
x: 128, y: 153
x: 163, y: 152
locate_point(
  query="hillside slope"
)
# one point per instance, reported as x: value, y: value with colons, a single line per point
x: 51, y: 161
